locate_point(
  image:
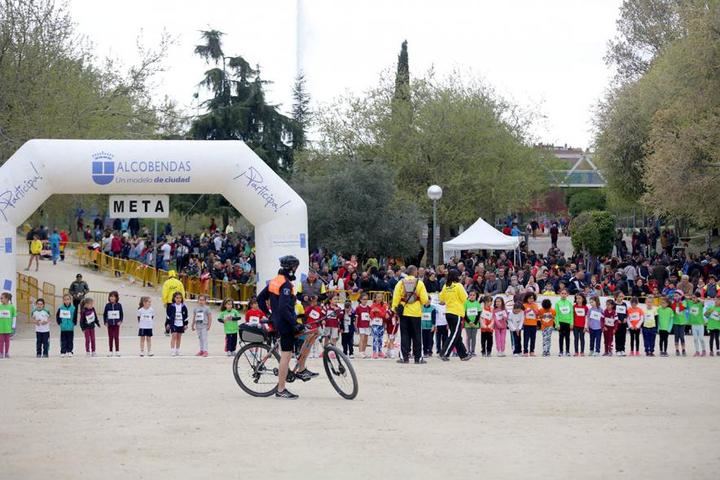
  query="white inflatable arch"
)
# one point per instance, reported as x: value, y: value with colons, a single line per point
x: 41, y: 168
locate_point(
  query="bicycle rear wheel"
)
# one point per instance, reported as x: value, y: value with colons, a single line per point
x: 340, y: 372
x: 255, y: 368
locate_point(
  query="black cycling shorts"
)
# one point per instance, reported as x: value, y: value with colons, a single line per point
x: 287, y: 342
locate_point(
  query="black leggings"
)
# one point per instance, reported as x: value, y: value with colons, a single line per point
x: 529, y: 334
x: 455, y: 338
x: 620, y: 335
x: 714, y: 337
x: 634, y: 340
x: 579, y: 338
x: 679, y: 332
x: 663, y: 340
x: 565, y: 337
x: 486, y: 342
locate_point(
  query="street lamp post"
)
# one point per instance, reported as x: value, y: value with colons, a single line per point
x: 434, y: 193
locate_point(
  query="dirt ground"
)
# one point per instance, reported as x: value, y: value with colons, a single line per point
x: 525, y: 418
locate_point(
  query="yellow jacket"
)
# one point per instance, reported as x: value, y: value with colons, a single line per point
x: 413, y: 309
x: 171, y: 286
x: 36, y: 247
x: 454, y: 298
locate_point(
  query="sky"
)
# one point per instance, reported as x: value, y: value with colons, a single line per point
x: 546, y: 56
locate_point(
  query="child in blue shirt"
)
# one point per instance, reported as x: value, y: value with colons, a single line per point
x: 427, y: 325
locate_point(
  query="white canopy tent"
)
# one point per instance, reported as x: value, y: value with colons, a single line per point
x: 479, y: 236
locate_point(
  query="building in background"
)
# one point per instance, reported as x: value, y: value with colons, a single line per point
x: 575, y: 168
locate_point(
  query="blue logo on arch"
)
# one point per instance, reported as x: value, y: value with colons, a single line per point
x: 103, y: 168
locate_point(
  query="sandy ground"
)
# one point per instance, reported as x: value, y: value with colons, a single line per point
x: 177, y: 418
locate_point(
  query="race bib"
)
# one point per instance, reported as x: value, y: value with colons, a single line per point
x: 254, y: 320
x: 314, y: 315
x: 580, y: 312
x: 486, y: 315
x: 694, y: 310
x: 90, y: 318
x: 427, y: 317
x: 178, y: 316
x: 609, y: 321
x: 178, y: 322
x: 200, y: 317
x: 472, y: 312
x: 146, y: 317
x: 649, y: 317
x: 565, y: 310
x: 6, y: 314
x: 530, y: 315
x: 595, y: 315
x: 634, y: 317
x: 501, y: 315
x: 365, y: 316
x: 113, y: 315
x: 622, y: 309
x: 377, y: 321
x: 715, y: 315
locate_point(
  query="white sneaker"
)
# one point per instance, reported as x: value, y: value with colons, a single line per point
x: 87, y: 354
x: 177, y: 353
x: 62, y: 355
x: 111, y: 354
x: 94, y: 354
x: 142, y: 354
x: 69, y: 354
x: 117, y: 354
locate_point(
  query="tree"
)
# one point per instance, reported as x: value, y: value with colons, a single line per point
x: 353, y: 207
x: 593, y: 232
x: 237, y: 109
x: 402, y: 77
x: 586, y: 199
x: 301, y: 113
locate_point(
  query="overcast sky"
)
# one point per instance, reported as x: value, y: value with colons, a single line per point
x: 544, y: 55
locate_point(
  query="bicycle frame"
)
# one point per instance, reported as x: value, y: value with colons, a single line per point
x: 310, y: 338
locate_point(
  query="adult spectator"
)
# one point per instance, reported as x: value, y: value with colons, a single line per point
x: 492, y: 286
x: 164, y: 255
x: 408, y: 299
x: 78, y: 289
x: 554, y: 231
x: 134, y: 226
x: 312, y: 286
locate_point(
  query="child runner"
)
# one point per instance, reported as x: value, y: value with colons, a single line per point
x: 41, y: 316
x: 427, y: 326
x: 563, y: 322
x: 145, y: 316
x: 378, y: 314
x: 472, y: 322
x: 515, y: 324
x: 532, y: 317
x: 547, y: 323
x: 391, y: 327
x: 696, y: 319
x: 441, y: 328
x: 113, y: 318
x: 254, y: 315
x: 500, y: 317
x: 649, y: 326
x: 580, y: 315
x: 621, y: 328
x: 65, y: 317
x: 713, y: 315
x: 679, y: 322
x: 362, y: 317
x: 332, y: 316
x: 8, y: 322
x: 176, y: 318
x: 610, y: 322
x: 202, y: 321
x: 88, y: 321
x: 229, y: 318
x: 634, y: 321
x: 486, y: 327
x: 666, y: 317
x: 348, y: 329
x: 595, y: 325
x: 313, y: 319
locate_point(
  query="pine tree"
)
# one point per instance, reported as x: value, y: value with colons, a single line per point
x: 301, y: 112
x: 402, y: 77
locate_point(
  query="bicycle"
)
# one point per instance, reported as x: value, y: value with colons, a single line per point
x: 259, y: 377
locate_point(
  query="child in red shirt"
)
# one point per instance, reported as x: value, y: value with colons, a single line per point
x: 333, y: 316
x: 378, y: 319
x: 362, y: 321
x: 609, y: 326
x: 580, y: 316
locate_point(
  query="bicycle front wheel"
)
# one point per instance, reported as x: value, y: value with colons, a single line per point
x: 255, y: 368
x: 340, y: 372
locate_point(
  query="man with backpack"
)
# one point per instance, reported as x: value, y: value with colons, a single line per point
x: 408, y: 299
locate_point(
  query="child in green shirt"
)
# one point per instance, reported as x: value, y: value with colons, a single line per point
x: 713, y: 324
x: 695, y: 309
x: 666, y: 315
x: 229, y: 317
x: 8, y: 320
x: 472, y: 321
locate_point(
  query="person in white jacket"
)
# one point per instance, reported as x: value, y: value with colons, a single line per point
x: 515, y: 324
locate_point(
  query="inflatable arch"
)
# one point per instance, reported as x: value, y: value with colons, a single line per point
x: 41, y: 168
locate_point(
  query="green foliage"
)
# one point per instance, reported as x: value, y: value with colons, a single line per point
x: 402, y: 77
x: 593, y: 232
x: 353, y: 207
x: 586, y: 199
x: 301, y: 113
x: 237, y: 109
x: 659, y: 135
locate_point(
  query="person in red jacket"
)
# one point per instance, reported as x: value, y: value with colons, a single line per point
x: 580, y: 317
x: 332, y: 317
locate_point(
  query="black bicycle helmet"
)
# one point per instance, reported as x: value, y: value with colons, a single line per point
x: 289, y: 263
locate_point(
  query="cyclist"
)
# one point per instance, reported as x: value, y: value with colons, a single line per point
x: 280, y: 295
